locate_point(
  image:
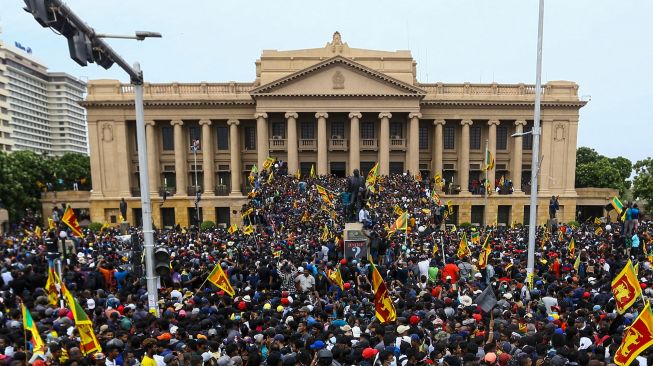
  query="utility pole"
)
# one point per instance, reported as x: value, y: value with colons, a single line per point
x: 86, y: 46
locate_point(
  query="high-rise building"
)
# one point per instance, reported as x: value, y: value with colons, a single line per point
x: 39, y: 109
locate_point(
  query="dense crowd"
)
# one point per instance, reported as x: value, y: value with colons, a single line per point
x: 286, y: 311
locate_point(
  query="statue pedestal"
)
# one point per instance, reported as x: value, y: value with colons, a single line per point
x: 124, y: 226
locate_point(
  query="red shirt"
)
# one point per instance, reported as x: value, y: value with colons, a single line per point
x: 450, y: 270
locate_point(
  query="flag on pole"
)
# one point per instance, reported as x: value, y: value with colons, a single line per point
x: 252, y: 174
x: 400, y: 224
x: 577, y: 263
x: 572, y: 248
x: 298, y: 174
x: 485, y: 253
x: 489, y: 160
x: 232, y: 228
x: 486, y: 300
x: 51, y: 225
x: 636, y: 269
x: 598, y: 231
x: 248, y: 230
x: 398, y: 211
x: 29, y: 325
x: 626, y: 288
x: 476, y: 237
x: 323, y: 193
x: 270, y: 177
x: 220, y: 279
x: 248, y: 212
x: 384, y: 308
x: 267, y: 163
x: 312, y: 175
x: 438, y: 180
x: 372, y: 177
x: 598, y: 221
x: 88, y: 341
x: 51, y: 285
x: 450, y: 207
x: 618, y: 206
x: 70, y: 220
x: 637, y: 338
x: 325, y: 233
x: 38, y: 232
x: 336, y: 277
x: 435, y: 197
x: 463, y: 247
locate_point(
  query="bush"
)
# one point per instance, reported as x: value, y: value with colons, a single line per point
x: 207, y: 225
x: 466, y: 225
x: 95, y: 227
x: 573, y: 223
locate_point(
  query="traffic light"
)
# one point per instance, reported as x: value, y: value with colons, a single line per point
x: 137, y: 255
x: 162, y: 262
x: 41, y: 11
x: 80, y: 47
x: 101, y: 58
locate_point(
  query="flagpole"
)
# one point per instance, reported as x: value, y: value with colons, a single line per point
x: 487, y: 186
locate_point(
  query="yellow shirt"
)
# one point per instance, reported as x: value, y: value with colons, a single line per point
x: 148, y: 361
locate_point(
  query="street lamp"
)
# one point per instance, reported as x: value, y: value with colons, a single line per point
x: 85, y: 46
x: 195, y: 147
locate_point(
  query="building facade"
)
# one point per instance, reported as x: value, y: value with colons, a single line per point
x: 336, y: 108
x: 41, y: 110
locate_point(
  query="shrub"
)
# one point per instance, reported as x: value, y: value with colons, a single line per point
x: 573, y: 223
x: 207, y: 225
x: 95, y: 227
x: 466, y: 225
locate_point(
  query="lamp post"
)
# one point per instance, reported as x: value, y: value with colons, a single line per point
x: 195, y: 147
x: 85, y: 46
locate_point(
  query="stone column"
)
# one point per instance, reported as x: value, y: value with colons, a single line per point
x: 384, y: 143
x: 463, y: 155
x: 412, y: 150
x: 293, y: 158
x: 234, y: 153
x: 492, y: 146
x: 152, y: 158
x: 438, y: 147
x: 262, y: 147
x: 570, y: 167
x: 322, y: 143
x: 546, y: 142
x: 207, y: 158
x: 517, y: 156
x: 354, y: 141
x: 122, y: 159
x: 181, y: 150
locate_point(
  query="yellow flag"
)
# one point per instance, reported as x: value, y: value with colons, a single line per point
x: 577, y: 263
x: 232, y: 228
x: 626, y: 288
x: 312, y: 175
x: 50, y: 224
x: 270, y: 177
x: 298, y: 175
x: 37, y: 231
x: 220, y: 279
x: 248, y: 230
x: 636, y: 338
x: 248, y: 212
x: 398, y: 210
x: 463, y: 247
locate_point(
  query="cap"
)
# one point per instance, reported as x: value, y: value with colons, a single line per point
x: 369, y: 352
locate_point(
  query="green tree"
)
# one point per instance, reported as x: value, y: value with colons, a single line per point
x: 643, y: 182
x: 596, y: 170
x: 72, y: 167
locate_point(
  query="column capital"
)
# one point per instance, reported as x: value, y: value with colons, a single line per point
x: 150, y: 122
x: 521, y: 122
x: 177, y: 122
x: 439, y: 122
x: 291, y: 115
x: 321, y: 115
x: 260, y: 115
x: 205, y: 122
x: 358, y: 115
x: 414, y: 115
x: 385, y: 115
x: 494, y: 122
x: 233, y: 122
x: 467, y: 122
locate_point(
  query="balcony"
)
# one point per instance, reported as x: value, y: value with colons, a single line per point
x: 136, y: 191
x: 221, y: 190
x: 337, y: 145
x: 192, y: 190
x: 278, y: 144
x: 171, y: 191
x: 369, y: 144
x: 398, y: 144
x: 307, y: 145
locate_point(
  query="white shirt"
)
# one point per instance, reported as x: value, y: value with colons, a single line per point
x: 363, y: 215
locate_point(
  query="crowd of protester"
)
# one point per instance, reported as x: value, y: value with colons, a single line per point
x: 286, y: 311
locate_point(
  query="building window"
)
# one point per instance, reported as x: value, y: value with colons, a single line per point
x: 527, y: 140
x: 167, y: 135
x: 223, y: 137
x: 250, y: 138
x: 308, y: 131
x: 194, y: 136
x: 367, y: 130
x: 396, y: 130
x: 279, y: 130
x: 449, y: 137
x: 502, y: 138
x: 337, y: 130
x: 475, y: 138
x: 423, y: 137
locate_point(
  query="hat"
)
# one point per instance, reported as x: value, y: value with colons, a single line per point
x: 414, y: 320
x: 466, y: 300
x: 508, y: 296
x: 99, y: 356
x: 324, y: 353
x: 164, y: 337
x: 317, y: 345
x: 225, y: 361
x: 490, y: 357
x: 90, y: 303
x: 585, y: 343
x: 402, y: 328
x: 369, y: 352
x: 169, y: 358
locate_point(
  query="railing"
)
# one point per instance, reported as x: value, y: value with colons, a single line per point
x: 190, y: 88
x: 278, y: 144
x: 337, y: 145
x: 397, y: 144
x: 482, y: 89
x: 368, y: 144
x: 192, y: 190
x: 135, y: 191
x: 171, y: 191
x: 307, y: 144
x: 221, y: 190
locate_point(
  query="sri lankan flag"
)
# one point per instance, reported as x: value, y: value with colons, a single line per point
x: 336, y: 277
x: 398, y: 211
x: 38, y: 232
x: 323, y: 193
x: 268, y: 163
x: 463, y: 247
x: 450, y: 207
x: 476, y: 237
x: 252, y: 174
x: 69, y: 219
x: 597, y: 221
x: 385, y: 309
x: 51, y: 225
x: 248, y: 230
x: 626, y: 288
x: 400, y: 224
x: 88, y: 342
x: 29, y: 325
x: 232, y: 228
x: 489, y: 160
x: 618, y: 206
x: 51, y: 285
x: 325, y: 233
x: 485, y: 254
x: 312, y: 174
x: 298, y: 174
x: 438, y: 180
x: 435, y: 196
x: 219, y: 278
x: 572, y: 248
x: 372, y: 177
x: 637, y: 338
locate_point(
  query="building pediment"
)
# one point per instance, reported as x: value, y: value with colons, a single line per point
x: 337, y: 77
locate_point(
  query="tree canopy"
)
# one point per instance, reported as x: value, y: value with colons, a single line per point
x: 24, y: 175
x: 643, y: 182
x: 596, y: 170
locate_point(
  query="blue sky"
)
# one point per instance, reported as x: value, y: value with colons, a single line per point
x: 602, y: 45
